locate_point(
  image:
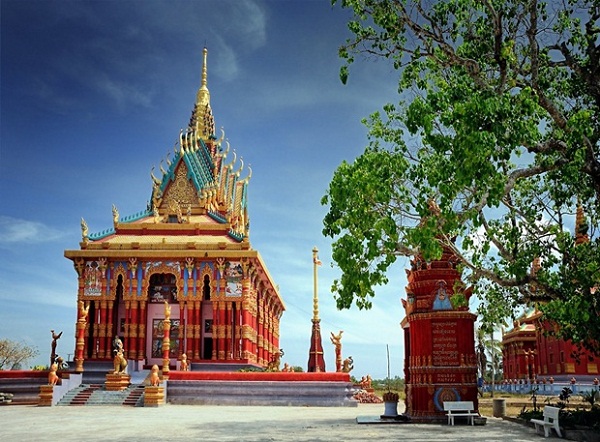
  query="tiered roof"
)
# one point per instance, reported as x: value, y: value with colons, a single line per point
x: 200, y: 192
x: 198, y: 206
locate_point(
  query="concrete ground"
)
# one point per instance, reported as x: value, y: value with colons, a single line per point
x: 234, y: 423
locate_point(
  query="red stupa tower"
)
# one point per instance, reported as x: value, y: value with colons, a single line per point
x: 439, y: 339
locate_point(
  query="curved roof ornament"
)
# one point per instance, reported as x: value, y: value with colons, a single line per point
x: 181, y: 144
x: 224, y: 154
x: 220, y: 140
x: 237, y: 172
x: 230, y: 165
x: 162, y: 169
x: 154, y: 179
x: 167, y: 159
x: 249, y: 175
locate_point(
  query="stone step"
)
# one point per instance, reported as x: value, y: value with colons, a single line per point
x: 90, y: 395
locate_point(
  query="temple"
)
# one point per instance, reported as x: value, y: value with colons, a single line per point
x: 189, y: 254
x: 440, y: 363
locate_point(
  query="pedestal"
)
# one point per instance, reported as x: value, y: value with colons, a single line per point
x: 46, y: 394
x: 154, y: 396
x: 117, y: 382
x: 390, y: 409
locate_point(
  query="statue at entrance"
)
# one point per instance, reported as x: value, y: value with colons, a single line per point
x: 52, y: 376
x: 120, y: 363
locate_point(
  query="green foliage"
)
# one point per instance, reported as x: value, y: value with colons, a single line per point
x: 498, y: 123
x: 393, y: 384
x: 15, y: 354
x: 592, y: 397
x: 569, y: 418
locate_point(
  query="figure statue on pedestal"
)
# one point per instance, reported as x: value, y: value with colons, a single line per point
x: 120, y: 363
x: 154, y: 377
x: 336, y: 340
x: 348, y: 365
x: 184, y: 363
x: 55, y: 337
x: 52, y: 376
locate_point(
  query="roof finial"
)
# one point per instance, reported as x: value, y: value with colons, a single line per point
x: 204, y: 83
x: 203, y: 96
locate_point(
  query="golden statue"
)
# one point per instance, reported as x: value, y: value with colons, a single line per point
x: 52, y: 376
x: 154, y: 377
x: 275, y: 361
x: 115, y: 213
x: 336, y: 340
x: 348, y: 365
x: 84, y: 230
x: 119, y: 362
x: 167, y: 310
x: 83, y: 311
x: 184, y: 363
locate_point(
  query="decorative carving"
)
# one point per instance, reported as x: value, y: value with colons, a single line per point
x: 180, y: 191
x: 84, y: 231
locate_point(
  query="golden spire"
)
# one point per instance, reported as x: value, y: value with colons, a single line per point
x: 202, y: 118
x: 316, y: 263
x: 203, y: 95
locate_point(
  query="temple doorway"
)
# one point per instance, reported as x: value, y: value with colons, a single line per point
x: 162, y: 288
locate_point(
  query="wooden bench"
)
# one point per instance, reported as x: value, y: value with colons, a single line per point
x: 550, y: 421
x: 460, y: 409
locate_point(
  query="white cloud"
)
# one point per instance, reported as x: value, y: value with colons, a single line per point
x: 14, y: 231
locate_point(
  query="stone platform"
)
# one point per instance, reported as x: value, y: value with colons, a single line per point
x: 260, y: 388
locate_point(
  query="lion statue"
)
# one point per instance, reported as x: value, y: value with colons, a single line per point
x: 52, y: 376
x: 184, y: 363
x: 120, y: 363
x: 275, y: 361
x: 154, y: 377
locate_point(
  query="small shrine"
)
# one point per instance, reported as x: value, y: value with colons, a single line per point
x: 188, y: 249
x: 440, y: 363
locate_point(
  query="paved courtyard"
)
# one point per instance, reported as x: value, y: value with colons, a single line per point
x: 233, y: 423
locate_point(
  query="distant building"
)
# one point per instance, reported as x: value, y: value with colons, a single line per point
x: 190, y: 249
x: 531, y: 349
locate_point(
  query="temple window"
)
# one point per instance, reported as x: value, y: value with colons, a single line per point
x: 162, y: 287
x: 206, y: 288
x: 119, y: 291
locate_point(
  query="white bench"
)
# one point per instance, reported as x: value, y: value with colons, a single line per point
x: 550, y: 421
x: 460, y: 409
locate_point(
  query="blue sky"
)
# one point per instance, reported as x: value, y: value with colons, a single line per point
x: 94, y: 94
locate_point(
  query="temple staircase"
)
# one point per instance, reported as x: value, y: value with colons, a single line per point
x: 95, y: 394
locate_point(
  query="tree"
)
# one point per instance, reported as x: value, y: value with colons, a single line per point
x: 15, y: 354
x: 497, y: 126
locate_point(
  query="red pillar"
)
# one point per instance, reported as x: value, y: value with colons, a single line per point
x: 132, y: 351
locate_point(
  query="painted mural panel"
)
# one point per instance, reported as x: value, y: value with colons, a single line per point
x: 93, y: 279
x: 233, y: 276
x: 157, y: 338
